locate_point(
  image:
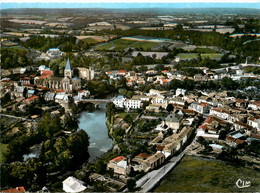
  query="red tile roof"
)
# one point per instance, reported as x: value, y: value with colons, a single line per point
x: 45, y: 73
x: 220, y: 110
x: 32, y: 98
x: 240, y: 101
x: 244, y: 125
x: 60, y: 91
x: 121, y: 71
x: 17, y: 189
x: 118, y: 159
x: 204, y: 104
x: 256, y: 136
x: 7, y: 81
x: 142, y: 155
x: 239, y: 141
x: 82, y: 91
x: 32, y: 85
x: 230, y: 138
x: 164, y: 80
x: 188, y: 111
x: 160, y: 147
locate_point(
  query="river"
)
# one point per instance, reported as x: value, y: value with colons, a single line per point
x: 94, y: 123
x: 196, y: 174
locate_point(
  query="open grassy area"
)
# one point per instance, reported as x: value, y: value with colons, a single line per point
x: 90, y: 41
x: 205, y: 50
x: 3, y: 148
x: 118, y: 44
x: 203, y: 175
x: 213, y: 56
x: 186, y: 56
x: 121, y: 44
x: 144, y: 45
x: 122, y: 115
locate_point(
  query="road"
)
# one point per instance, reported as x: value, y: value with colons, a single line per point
x: 148, y: 181
x: 15, y: 117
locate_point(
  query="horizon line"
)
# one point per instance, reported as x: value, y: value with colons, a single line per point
x: 115, y: 5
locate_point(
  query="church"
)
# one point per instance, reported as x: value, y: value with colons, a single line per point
x: 66, y: 83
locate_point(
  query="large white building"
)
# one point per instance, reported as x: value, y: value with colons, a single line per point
x: 72, y: 184
x: 119, y: 101
x: 133, y: 103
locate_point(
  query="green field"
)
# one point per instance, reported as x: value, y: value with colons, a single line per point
x: 118, y: 44
x: 213, y: 56
x: 185, y: 56
x: 203, y: 175
x: 205, y: 50
x: 144, y: 45
x: 121, y: 44
x: 90, y: 41
x: 2, y: 149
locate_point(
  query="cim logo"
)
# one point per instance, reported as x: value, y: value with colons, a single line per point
x: 243, y: 184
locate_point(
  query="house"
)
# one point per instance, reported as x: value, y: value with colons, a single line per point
x: 171, y: 148
x: 133, y: 103
x: 160, y: 99
x: 180, y: 91
x: 223, y: 114
x: 32, y: 99
x: 83, y: 94
x: 72, y: 184
x: 139, y: 163
x: 119, y: 166
x: 17, y: 189
x: 30, y: 93
x: 153, y: 92
x: 239, y: 125
x: 241, y: 103
x: 49, y: 96
x: 155, y: 160
x: 201, y: 108
x: 121, y: 72
x: 173, y: 121
x: 119, y: 101
x: 154, y: 108
x: 234, y: 142
x: 254, y: 105
x: 19, y: 91
x: 254, y: 122
x: 85, y: 73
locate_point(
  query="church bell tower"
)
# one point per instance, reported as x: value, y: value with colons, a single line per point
x: 67, y: 70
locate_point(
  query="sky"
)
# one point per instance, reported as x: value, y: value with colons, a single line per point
x: 7, y: 4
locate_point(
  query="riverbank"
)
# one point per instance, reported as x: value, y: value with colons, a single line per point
x: 195, y: 174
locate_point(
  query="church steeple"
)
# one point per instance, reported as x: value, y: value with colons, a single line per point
x: 67, y: 70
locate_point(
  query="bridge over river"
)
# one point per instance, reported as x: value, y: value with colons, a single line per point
x: 96, y: 102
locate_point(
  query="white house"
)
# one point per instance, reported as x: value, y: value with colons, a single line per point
x: 119, y: 101
x: 83, y: 94
x: 132, y: 103
x: 153, y: 92
x: 254, y: 105
x: 159, y: 100
x: 254, y: 122
x: 72, y: 184
x: 223, y: 114
x: 199, y: 107
x: 180, y: 91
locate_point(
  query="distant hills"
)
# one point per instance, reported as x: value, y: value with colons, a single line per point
x: 82, y: 11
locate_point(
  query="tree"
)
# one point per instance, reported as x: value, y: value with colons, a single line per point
x: 130, y: 184
x: 169, y: 108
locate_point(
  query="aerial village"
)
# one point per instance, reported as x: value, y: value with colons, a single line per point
x: 159, y: 105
